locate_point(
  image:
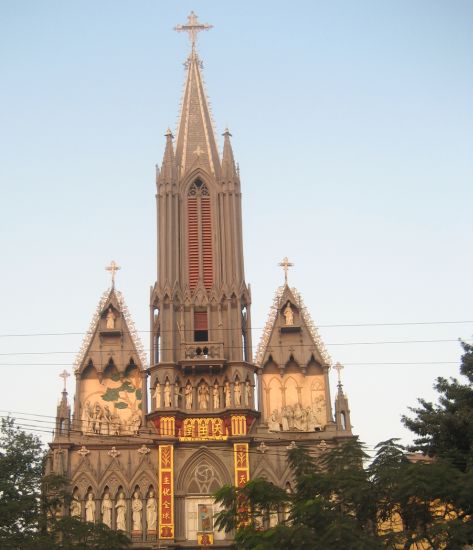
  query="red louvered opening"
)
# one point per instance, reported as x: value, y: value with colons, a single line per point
x: 193, y: 241
x: 201, y: 333
x: 207, y: 260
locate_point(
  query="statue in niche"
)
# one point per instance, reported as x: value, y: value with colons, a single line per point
x: 288, y: 315
x: 204, y: 396
x: 227, y: 393
x: 87, y: 418
x: 215, y: 397
x: 167, y: 394
x: 120, y: 507
x: 157, y: 395
x: 287, y: 418
x: 135, y: 423
x: 75, y: 507
x: 106, y: 510
x: 107, y: 420
x: 248, y: 393
x: 188, y: 395
x: 136, y: 511
x: 298, y: 417
x: 115, y: 424
x: 313, y: 423
x: 273, y: 422
x: 90, y: 508
x: 177, y: 395
x: 151, y: 511
x: 110, y: 318
x: 237, y: 393
x: 97, y: 418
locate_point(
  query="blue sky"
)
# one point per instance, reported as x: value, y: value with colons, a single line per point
x: 352, y: 123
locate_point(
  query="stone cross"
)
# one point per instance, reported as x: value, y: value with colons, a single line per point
x: 285, y: 264
x: 113, y: 268
x: 338, y: 367
x: 193, y: 27
x: 65, y: 375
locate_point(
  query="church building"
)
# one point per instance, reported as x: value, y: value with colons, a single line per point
x: 148, y: 440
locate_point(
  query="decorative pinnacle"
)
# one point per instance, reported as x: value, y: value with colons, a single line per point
x: 65, y: 375
x: 338, y: 367
x: 193, y: 27
x: 285, y: 264
x: 113, y: 268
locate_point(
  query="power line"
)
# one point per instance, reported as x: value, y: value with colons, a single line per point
x: 370, y: 363
x: 340, y: 325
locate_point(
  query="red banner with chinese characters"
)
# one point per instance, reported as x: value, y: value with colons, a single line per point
x: 166, y: 492
x: 242, y: 475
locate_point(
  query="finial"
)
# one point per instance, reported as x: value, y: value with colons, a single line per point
x: 338, y: 367
x: 226, y: 132
x: 285, y: 264
x: 168, y: 133
x: 65, y: 375
x: 193, y: 26
x: 113, y: 268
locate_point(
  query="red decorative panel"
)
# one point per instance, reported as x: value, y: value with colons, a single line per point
x: 207, y: 241
x: 200, y: 320
x: 193, y: 241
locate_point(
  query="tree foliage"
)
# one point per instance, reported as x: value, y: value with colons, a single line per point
x: 30, y: 502
x: 445, y: 429
x: 337, y: 503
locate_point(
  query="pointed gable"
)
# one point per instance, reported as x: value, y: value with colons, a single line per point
x: 111, y: 335
x: 290, y: 332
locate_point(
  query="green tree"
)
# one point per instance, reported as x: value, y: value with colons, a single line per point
x: 445, y: 430
x: 21, y: 459
x: 29, y: 502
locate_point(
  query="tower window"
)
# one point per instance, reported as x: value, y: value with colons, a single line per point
x: 199, y: 235
x: 201, y: 331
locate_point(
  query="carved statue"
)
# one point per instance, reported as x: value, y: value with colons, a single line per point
x: 273, y: 422
x: 135, y: 423
x: 188, y: 395
x: 177, y: 395
x: 151, y: 512
x: 90, y: 508
x: 289, y: 316
x: 203, y: 396
x: 110, y: 318
x: 106, y: 510
x: 312, y: 421
x: 215, y: 397
x: 248, y: 393
x: 120, y: 507
x: 227, y: 393
x: 237, y: 393
x: 87, y: 418
x: 167, y: 394
x: 97, y: 418
x: 107, y: 420
x: 287, y: 418
x: 298, y: 418
x: 157, y: 395
x: 136, y: 512
x: 75, y: 507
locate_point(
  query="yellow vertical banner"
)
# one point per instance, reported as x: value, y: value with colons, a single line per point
x: 242, y: 476
x: 166, y: 491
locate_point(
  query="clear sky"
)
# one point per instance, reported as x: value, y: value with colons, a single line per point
x: 353, y: 126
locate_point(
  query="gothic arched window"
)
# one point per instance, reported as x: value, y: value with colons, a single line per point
x: 199, y: 235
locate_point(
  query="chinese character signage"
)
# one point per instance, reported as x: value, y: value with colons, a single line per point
x: 166, y: 492
x: 242, y: 466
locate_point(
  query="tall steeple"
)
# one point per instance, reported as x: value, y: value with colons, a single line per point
x: 195, y: 144
x: 200, y: 304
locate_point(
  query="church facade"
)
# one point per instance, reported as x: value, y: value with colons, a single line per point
x: 148, y: 441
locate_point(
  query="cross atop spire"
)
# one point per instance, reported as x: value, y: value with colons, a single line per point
x: 64, y: 375
x: 113, y: 268
x: 285, y: 264
x: 193, y: 27
x: 338, y: 367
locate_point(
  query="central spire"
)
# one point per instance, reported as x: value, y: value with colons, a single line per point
x: 196, y: 144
